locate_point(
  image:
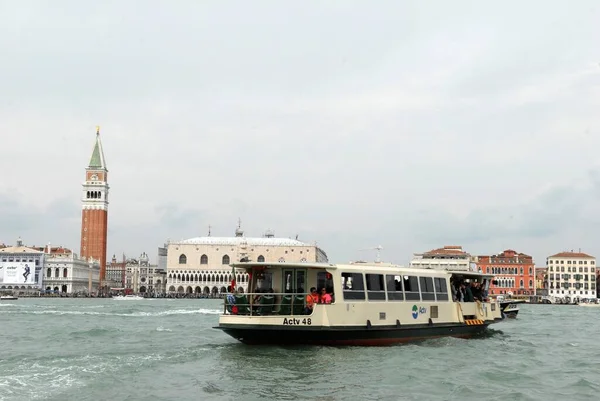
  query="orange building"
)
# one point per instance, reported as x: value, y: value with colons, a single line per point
x: 94, y: 214
x: 514, y: 272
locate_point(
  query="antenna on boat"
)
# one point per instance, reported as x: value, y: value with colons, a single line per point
x: 378, y: 248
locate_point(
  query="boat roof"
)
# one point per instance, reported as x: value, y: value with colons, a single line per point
x: 358, y: 267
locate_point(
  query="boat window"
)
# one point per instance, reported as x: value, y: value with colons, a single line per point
x: 427, y: 292
x: 324, y: 280
x: 353, y: 286
x: 411, y: 288
x: 375, y: 288
x: 293, y: 281
x: 394, y: 288
x: 441, y: 289
x: 264, y: 281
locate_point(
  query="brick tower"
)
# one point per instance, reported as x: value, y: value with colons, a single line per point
x: 94, y: 205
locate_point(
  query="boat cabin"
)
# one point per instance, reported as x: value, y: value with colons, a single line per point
x: 296, y: 288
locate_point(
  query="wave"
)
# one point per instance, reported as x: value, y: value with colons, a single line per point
x: 160, y: 328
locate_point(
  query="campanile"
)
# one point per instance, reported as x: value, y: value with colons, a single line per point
x: 94, y: 205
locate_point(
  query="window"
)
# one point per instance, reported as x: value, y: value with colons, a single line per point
x: 394, y: 288
x: 325, y: 280
x: 411, y: 288
x: 182, y: 259
x: 65, y: 272
x: 203, y: 260
x: 441, y: 289
x: 265, y: 281
x: 375, y: 288
x: 56, y: 272
x: 427, y: 293
x: 49, y: 272
x: 353, y: 286
x: 225, y: 260
x: 261, y: 258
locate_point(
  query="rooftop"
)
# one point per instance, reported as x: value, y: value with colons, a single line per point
x: 258, y: 241
x: 572, y: 255
x: 19, y: 249
x: 447, y: 250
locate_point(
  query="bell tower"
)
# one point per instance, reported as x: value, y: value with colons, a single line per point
x: 94, y: 205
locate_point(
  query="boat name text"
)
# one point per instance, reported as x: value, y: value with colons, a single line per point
x: 296, y: 322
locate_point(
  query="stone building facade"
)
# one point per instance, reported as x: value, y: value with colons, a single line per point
x: 513, y: 272
x: 572, y: 275
x: 202, y: 265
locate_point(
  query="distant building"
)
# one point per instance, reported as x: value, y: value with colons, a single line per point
x: 162, y: 258
x: 202, y: 265
x: 572, y: 274
x: 67, y: 273
x: 541, y: 281
x: 142, y: 277
x: 450, y: 257
x: 514, y: 273
x: 114, y: 276
x: 21, y: 267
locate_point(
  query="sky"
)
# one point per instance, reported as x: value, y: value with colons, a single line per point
x: 406, y: 124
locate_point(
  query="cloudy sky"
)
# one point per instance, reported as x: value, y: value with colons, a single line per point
x: 405, y: 124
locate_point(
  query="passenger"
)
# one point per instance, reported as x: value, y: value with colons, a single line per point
x: 469, y: 294
x: 325, y: 297
x: 475, y: 291
x: 311, y: 300
x: 461, y: 293
x: 231, y: 306
x: 484, y: 292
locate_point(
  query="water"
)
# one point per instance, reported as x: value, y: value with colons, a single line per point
x: 94, y: 349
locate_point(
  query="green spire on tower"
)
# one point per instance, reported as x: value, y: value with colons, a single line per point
x: 97, y: 161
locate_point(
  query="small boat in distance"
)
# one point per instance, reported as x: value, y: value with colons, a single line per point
x: 360, y: 304
x: 593, y: 303
x: 129, y: 297
x: 8, y: 298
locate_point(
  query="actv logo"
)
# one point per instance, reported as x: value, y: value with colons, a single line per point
x: 416, y: 311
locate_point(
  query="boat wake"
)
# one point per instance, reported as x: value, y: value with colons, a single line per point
x: 132, y: 314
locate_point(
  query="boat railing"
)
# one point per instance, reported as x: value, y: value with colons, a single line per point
x: 266, y: 304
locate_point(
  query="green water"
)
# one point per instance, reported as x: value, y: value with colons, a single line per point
x: 93, y: 349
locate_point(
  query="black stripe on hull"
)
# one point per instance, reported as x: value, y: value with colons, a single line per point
x: 386, y: 335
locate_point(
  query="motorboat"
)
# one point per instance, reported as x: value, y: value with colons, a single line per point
x: 360, y: 304
x: 510, y: 307
x: 8, y: 298
x: 128, y: 297
x: 592, y: 302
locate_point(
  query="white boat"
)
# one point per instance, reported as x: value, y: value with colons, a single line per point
x: 128, y: 297
x: 8, y: 298
x: 510, y: 308
x: 369, y: 304
x: 593, y: 303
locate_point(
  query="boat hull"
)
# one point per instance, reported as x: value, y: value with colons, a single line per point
x: 510, y: 309
x: 372, y: 336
